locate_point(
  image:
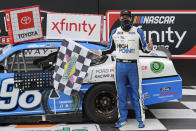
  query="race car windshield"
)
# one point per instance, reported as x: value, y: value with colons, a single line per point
x: 5, y: 49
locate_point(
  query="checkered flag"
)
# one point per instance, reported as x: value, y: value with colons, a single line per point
x: 71, y: 67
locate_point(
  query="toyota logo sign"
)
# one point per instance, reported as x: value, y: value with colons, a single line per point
x: 25, y: 20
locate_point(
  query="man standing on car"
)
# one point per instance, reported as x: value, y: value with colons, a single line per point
x: 126, y: 40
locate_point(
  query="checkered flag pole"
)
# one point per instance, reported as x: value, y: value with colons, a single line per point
x: 71, y: 67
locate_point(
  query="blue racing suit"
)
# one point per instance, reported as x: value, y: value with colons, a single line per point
x: 127, y: 69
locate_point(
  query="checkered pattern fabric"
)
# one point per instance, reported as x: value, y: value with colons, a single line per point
x: 71, y: 67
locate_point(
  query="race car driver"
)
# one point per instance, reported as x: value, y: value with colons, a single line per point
x: 126, y: 40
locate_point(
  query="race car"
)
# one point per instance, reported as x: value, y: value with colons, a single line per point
x: 27, y: 95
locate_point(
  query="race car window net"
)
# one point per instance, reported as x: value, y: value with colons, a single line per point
x: 33, y: 80
x: 32, y: 60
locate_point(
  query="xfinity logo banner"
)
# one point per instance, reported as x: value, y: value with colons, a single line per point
x: 24, y: 24
x: 172, y: 29
x: 75, y: 26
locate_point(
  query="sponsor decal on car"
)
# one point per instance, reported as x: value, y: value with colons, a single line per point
x: 165, y: 88
x: 163, y: 94
x: 104, y: 73
x: 144, y: 67
x: 104, y: 70
x: 76, y: 102
x: 104, y: 76
x: 38, y: 52
x: 65, y: 102
x: 27, y: 100
x: 35, y: 46
x: 146, y: 95
x: 156, y: 66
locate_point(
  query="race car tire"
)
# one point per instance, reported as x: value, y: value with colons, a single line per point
x: 100, y: 103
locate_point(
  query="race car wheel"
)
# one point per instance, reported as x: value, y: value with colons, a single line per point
x: 100, y: 103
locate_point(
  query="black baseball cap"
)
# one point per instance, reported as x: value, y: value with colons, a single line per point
x: 125, y: 12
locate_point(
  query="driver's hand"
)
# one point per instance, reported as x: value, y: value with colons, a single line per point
x: 150, y: 45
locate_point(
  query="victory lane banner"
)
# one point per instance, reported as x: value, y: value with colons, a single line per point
x: 24, y: 24
x: 172, y: 29
x: 79, y: 27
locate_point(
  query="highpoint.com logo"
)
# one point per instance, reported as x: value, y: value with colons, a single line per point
x: 153, y: 19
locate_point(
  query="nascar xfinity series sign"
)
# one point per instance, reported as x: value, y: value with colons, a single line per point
x: 24, y: 24
x: 174, y: 30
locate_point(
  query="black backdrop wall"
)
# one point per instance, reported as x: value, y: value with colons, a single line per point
x: 186, y: 68
x: 100, y: 6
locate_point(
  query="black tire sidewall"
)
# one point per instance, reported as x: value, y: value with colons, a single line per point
x: 89, y: 104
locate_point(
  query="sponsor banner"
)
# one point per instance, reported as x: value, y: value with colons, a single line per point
x: 168, y: 28
x: 52, y: 127
x: 24, y: 24
x: 4, y: 39
x: 80, y: 27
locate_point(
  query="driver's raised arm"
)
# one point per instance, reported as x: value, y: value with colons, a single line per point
x: 146, y: 47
